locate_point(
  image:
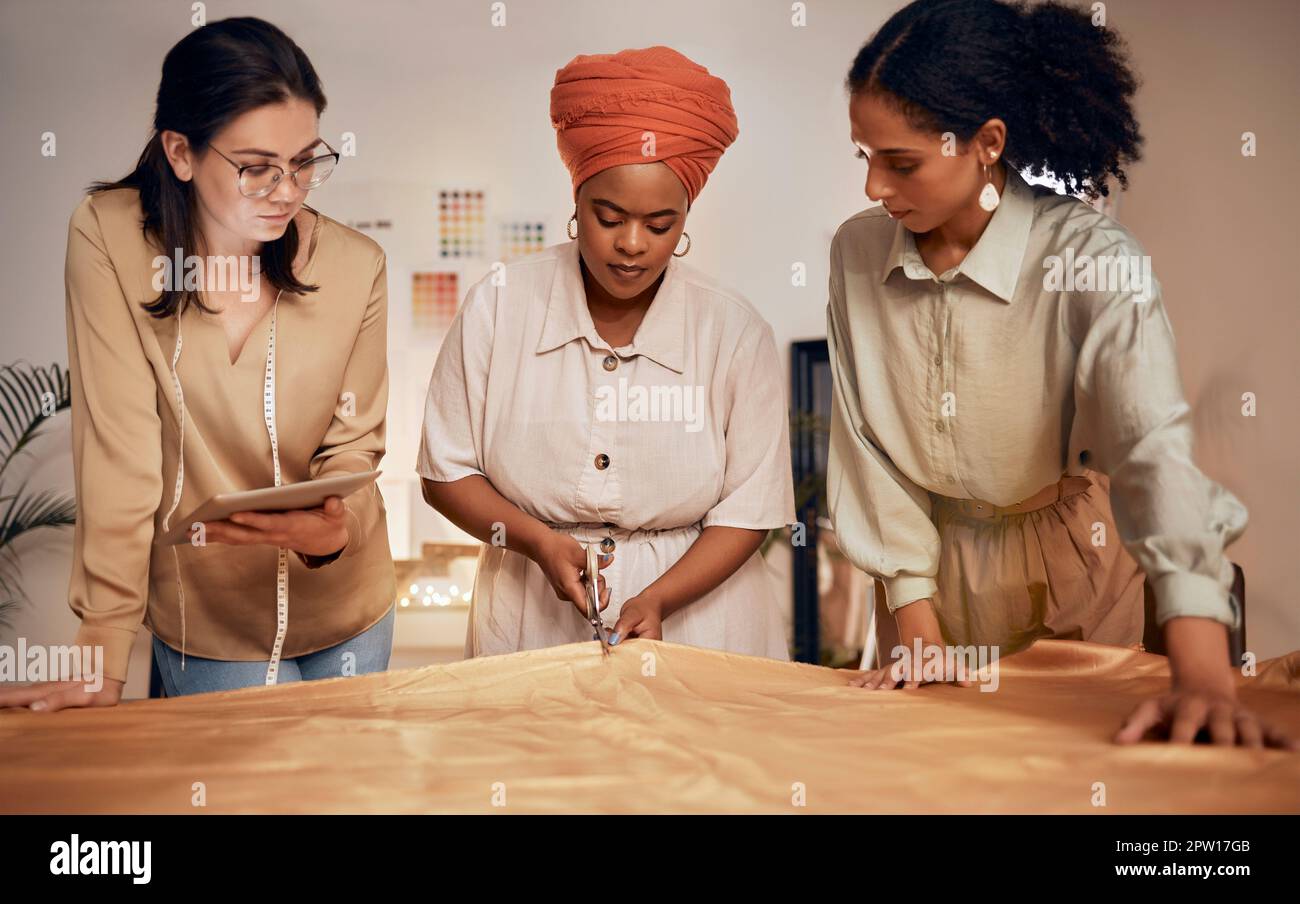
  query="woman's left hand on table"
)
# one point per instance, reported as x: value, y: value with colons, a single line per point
x: 1193, y: 707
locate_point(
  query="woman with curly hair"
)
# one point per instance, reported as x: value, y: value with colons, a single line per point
x: 1003, y: 364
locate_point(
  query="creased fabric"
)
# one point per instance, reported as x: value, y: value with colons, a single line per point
x: 653, y: 728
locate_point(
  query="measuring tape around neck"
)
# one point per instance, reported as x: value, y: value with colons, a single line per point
x: 282, y: 554
x: 180, y: 481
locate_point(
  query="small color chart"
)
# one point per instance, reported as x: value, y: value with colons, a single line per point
x: 461, y: 218
x: 434, y: 299
x: 520, y: 238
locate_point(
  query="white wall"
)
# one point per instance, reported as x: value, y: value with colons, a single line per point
x: 438, y: 97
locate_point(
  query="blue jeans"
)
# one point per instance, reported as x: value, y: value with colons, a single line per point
x: 370, y: 650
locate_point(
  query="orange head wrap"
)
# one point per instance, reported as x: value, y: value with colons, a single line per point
x: 602, y: 104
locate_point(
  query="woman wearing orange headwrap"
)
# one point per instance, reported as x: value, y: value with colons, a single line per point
x: 604, y: 394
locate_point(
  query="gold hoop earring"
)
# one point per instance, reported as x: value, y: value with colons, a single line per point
x: 572, y: 227
x: 688, y: 246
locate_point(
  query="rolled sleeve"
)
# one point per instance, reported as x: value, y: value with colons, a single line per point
x: 451, y: 443
x: 881, y: 518
x: 354, y: 442
x: 1173, y: 519
x: 758, y: 484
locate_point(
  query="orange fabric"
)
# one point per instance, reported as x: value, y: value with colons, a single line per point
x: 602, y: 104
x: 653, y: 728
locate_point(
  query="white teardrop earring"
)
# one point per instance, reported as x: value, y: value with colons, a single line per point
x: 989, y: 197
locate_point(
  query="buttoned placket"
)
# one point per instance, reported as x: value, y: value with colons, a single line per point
x: 599, y: 484
x: 947, y: 301
x: 943, y: 364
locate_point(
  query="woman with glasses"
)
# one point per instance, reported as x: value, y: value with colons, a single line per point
x: 224, y: 336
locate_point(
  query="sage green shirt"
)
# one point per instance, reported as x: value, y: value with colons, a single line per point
x: 997, y: 377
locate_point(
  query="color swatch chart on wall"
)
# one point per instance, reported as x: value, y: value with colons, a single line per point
x: 461, y: 223
x: 520, y: 238
x: 435, y: 296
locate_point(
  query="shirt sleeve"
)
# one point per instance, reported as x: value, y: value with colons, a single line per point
x: 354, y: 441
x: 116, y: 449
x: 451, y: 444
x: 758, y: 485
x: 1137, y: 428
x: 881, y: 518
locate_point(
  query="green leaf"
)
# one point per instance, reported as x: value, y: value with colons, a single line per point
x: 23, y: 391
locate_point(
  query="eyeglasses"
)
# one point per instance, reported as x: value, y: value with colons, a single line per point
x: 258, y: 180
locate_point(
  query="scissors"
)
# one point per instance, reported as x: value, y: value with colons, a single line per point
x: 593, y: 599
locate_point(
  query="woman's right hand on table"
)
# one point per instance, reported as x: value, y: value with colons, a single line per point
x: 904, y: 673
x: 563, y: 560
x: 917, y: 622
x: 51, y: 696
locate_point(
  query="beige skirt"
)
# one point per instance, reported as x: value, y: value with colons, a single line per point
x: 1050, y: 566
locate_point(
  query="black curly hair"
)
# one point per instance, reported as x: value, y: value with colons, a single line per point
x: 1062, y: 85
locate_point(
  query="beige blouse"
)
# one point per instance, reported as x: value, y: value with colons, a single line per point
x: 640, y: 446
x: 995, y: 378
x: 331, y: 394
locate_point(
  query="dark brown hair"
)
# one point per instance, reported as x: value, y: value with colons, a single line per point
x: 211, y: 76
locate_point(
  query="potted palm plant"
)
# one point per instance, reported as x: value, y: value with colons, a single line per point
x: 29, y: 397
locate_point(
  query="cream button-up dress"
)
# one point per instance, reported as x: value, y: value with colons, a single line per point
x: 636, y: 448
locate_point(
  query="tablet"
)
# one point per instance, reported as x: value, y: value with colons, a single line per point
x: 305, y: 495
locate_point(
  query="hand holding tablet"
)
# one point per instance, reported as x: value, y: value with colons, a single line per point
x: 297, y: 498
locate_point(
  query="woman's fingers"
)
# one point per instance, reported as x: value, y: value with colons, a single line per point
x: 230, y: 533
x: 625, y: 626
x: 887, y: 679
x: 63, y: 699
x: 1140, y: 721
x: 1188, y: 719
x: 604, y: 596
x: 1227, y: 725
x: 25, y: 696
x: 1248, y: 728
x: 873, y: 679
x: 1223, y: 729
x: 576, y: 592
x: 1275, y: 737
x: 258, y: 520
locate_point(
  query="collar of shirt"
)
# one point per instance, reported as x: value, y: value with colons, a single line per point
x: 995, y: 260
x: 660, y: 337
